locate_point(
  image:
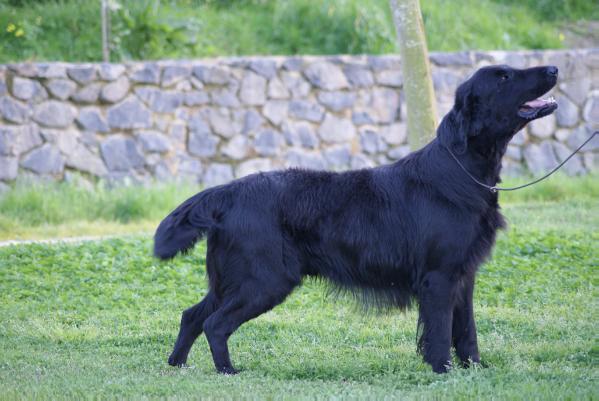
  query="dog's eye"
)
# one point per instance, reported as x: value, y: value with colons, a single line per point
x: 505, y: 77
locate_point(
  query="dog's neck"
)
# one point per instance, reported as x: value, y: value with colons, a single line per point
x: 480, y: 154
x: 484, y: 156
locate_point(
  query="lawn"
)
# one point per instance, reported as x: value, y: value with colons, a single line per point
x: 98, y: 319
x: 69, y: 30
x: 50, y: 210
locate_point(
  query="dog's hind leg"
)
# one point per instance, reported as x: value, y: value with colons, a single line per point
x: 253, y: 298
x: 464, y: 329
x: 192, y: 322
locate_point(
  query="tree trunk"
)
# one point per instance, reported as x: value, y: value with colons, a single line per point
x: 417, y: 82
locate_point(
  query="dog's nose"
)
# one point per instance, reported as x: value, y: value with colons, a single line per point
x: 552, y: 71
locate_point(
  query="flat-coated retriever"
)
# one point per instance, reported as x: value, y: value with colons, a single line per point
x: 414, y: 230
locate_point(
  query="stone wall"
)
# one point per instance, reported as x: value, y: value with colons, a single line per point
x: 216, y: 119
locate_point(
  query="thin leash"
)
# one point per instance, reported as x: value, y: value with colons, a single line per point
x: 494, y: 189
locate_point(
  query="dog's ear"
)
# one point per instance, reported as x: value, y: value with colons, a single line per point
x: 462, y: 121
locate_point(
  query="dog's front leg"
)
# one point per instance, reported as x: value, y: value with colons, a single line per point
x: 436, y: 297
x: 464, y: 328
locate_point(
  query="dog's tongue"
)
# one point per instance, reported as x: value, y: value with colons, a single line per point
x: 535, y: 104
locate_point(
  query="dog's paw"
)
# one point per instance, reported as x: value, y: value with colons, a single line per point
x: 174, y: 360
x: 442, y: 367
x: 228, y: 370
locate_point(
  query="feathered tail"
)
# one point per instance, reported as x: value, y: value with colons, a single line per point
x: 188, y: 223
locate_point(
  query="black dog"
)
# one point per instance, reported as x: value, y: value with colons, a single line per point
x: 414, y: 230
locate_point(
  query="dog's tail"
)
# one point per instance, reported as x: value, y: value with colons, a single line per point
x: 188, y: 223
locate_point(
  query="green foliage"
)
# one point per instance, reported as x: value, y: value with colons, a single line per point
x: 468, y: 24
x: 556, y: 10
x: 150, y: 29
x: 24, y: 3
x: 140, y: 32
x: 54, y: 30
x: 331, y: 27
x: 97, y: 320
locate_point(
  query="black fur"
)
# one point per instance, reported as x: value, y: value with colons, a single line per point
x: 415, y: 230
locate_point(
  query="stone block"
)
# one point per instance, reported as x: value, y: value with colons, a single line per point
x: 88, y: 94
x: 146, y: 74
x: 267, y: 143
x: 217, y: 174
x: 305, y: 159
x: 154, y: 141
x: 590, y: 111
x: 9, y: 167
x: 264, y: 67
x: 306, y: 110
x: 573, y: 166
x: 566, y: 113
x: 540, y: 158
x: 300, y: 133
x: 111, y: 72
x: 13, y: 110
x: 61, y: 88
x: 338, y: 157
x: 82, y: 74
x: 172, y: 74
x: 44, y: 160
x: 391, y: 78
x: 28, y: 89
x: 543, y: 128
x: 337, y: 101
x: 53, y: 113
x: 160, y: 101
x: 325, y: 75
x: 335, y: 129
x: 236, y: 149
x: 116, y: 90
x: 253, y: 89
x: 212, y: 75
x: 129, y: 114
x: 275, y: 111
x: 394, y: 134
x: 358, y: 76
x: 91, y: 119
x: 121, y: 153
x: 277, y: 90
x: 84, y: 160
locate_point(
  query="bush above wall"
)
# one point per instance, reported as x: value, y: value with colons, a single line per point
x: 69, y: 30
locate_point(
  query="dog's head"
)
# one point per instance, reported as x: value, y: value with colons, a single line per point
x: 496, y: 102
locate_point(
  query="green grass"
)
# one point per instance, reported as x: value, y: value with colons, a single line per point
x: 45, y: 210
x: 148, y: 29
x: 97, y: 320
x: 50, y: 210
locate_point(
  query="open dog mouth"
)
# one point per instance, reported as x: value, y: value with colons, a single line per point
x: 537, y: 108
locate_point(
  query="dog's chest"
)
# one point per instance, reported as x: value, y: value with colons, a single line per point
x: 483, y: 239
x: 462, y: 241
